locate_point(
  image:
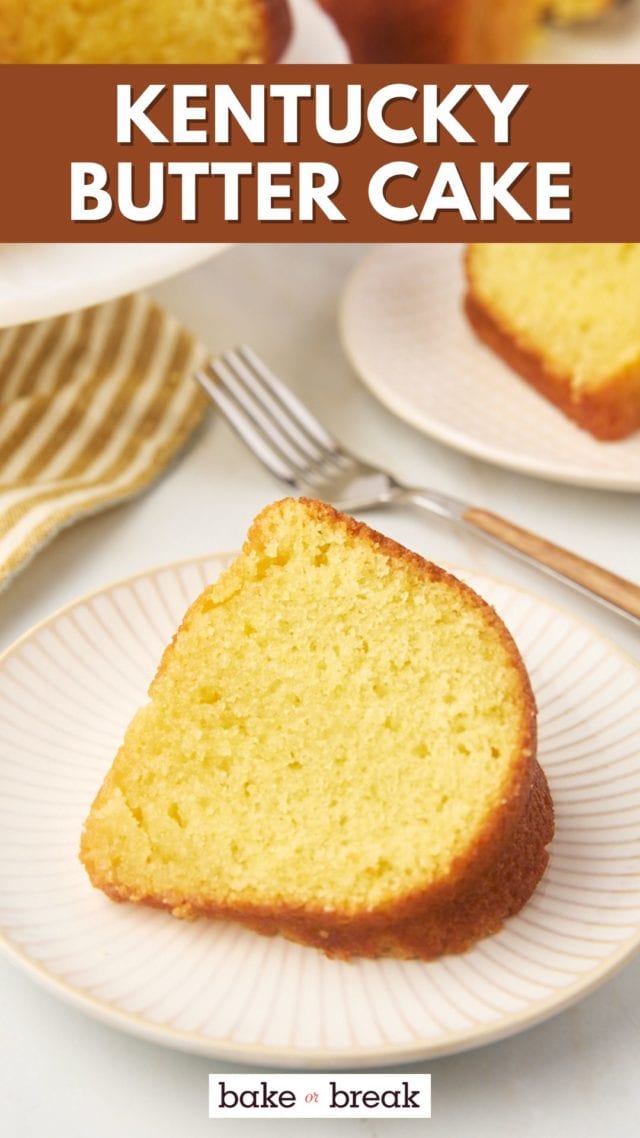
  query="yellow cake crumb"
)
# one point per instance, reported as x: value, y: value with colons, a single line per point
x: 139, y: 31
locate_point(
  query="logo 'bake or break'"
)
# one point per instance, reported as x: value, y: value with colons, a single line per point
x: 320, y: 1096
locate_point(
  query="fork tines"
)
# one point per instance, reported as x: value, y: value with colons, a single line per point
x: 271, y: 420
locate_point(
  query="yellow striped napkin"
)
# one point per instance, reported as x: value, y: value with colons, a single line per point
x: 93, y: 406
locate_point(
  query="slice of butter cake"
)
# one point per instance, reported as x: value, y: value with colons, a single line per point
x: 567, y: 318
x: 137, y: 31
x: 339, y: 746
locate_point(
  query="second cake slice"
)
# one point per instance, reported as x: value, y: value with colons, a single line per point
x: 567, y: 318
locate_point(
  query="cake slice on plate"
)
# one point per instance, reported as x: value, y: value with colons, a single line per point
x: 567, y: 318
x: 339, y: 746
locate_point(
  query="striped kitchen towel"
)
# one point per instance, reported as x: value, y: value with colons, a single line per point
x: 93, y: 406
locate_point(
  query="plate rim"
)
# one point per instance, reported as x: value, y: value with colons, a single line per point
x: 450, y: 436
x: 315, y: 1058
x: 24, y: 308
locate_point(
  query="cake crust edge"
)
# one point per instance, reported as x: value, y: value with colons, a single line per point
x: 446, y: 917
x: 608, y: 414
x: 277, y: 28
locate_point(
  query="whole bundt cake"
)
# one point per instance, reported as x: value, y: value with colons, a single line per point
x: 450, y: 31
x: 436, y: 31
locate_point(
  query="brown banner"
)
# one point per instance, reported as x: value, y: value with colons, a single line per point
x: 319, y: 153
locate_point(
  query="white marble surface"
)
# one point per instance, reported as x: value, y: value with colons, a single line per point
x: 65, y: 1075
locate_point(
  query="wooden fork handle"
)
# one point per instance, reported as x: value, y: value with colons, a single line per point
x: 614, y: 590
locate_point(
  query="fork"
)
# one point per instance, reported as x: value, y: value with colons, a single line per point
x: 296, y: 448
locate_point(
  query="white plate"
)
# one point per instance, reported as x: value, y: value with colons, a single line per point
x: 39, y: 281
x: 315, y: 37
x: 67, y: 691
x: 405, y: 332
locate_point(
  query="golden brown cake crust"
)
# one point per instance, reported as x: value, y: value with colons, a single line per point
x: 409, y: 31
x: 493, y: 882
x: 494, y: 878
x: 609, y: 414
x: 434, y: 31
x: 277, y: 28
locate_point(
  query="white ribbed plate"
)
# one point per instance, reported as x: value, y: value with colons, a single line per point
x: 405, y: 332
x: 67, y: 691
